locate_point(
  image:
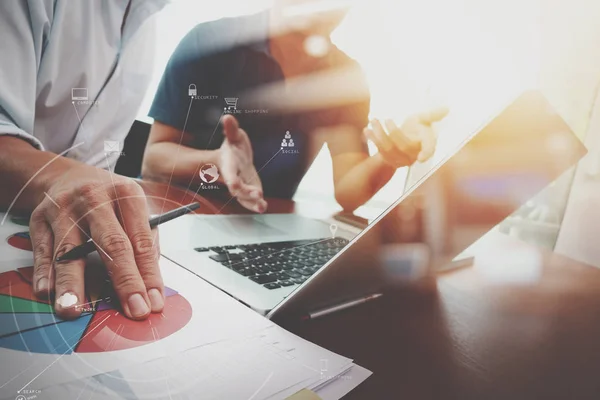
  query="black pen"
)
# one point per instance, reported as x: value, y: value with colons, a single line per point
x: 89, y: 247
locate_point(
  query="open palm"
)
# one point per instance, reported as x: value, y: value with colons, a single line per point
x: 237, y: 167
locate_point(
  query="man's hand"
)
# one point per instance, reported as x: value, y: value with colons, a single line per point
x: 89, y: 202
x: 414, y: 141
x: 237, y: 169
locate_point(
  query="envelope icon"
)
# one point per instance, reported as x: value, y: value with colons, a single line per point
x: 112, y: 146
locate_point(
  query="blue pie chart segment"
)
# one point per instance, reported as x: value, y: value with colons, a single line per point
x: 19, y: 322
x: 61, y: 338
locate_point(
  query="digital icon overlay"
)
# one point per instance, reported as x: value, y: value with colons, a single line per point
x: 209, y: 173
x: 287, y: 141
x: 79, y: 94
x: 230, y: 105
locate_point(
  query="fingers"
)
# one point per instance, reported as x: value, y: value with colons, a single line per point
x: 432, y: 116
x: 250, y: 196
x: 381, y: 138
x: 386, y: 146
x: 404, y: 143
x: 237, y: 170
x: 254, y: 202
x: 133, y: 214
x: 231, y: 129
x: 43, y: 251
x: 244, y: 188
x: 69, y: 275
x: 428, y: 144
x: 117, y: 252
x: 415, y: 141
x: 229, y: 169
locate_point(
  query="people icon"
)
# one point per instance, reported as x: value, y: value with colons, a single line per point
x: 287, y: 140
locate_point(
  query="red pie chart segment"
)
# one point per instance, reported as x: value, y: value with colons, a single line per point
x: 29, y: 324
x: 21, y: 241
x: 13, y: 284
x: 110, y: 330
x: 26, y: 273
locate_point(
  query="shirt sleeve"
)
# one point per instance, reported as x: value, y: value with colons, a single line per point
x: 189, y: 68
x: 23, y: 28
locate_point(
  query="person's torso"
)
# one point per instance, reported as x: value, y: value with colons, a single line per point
x: 93, y: 71
x: 283, y: 144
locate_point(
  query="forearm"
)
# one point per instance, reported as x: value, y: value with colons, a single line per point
x: 165, y: 158
x: 23, y: 167
x: 362, y: 181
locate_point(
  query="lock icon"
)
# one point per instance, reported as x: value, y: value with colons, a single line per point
x: 192, y: 90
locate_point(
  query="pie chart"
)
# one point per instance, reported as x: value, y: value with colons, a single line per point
x: 20, y: 220
x: 29, y: 324
x: 21, y: 241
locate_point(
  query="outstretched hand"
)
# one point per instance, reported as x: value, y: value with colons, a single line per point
x: 236, y: 164
x: 415, y: 141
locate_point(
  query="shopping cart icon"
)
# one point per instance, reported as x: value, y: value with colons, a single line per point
x: 231, y: 104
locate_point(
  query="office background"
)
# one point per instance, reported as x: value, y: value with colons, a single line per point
x: 490, y: 50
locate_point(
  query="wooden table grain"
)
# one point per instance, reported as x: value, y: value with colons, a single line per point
x: 463, y: 338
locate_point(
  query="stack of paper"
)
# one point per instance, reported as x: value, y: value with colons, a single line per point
x: 205, y: 345
x: 271, y: 364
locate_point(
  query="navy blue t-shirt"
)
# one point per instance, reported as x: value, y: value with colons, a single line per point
x: 221, y: 61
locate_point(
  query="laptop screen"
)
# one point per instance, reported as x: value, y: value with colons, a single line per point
x: 489, y: 176
x: 519, y: 153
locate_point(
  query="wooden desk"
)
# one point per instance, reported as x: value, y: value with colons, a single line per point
x: 466, y: 339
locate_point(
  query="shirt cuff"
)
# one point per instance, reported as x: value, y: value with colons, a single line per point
x: 11, y: 130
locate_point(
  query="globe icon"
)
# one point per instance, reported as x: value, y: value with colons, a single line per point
x: 209, y: 173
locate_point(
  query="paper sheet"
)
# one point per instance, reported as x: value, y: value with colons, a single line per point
x: 12, y: 257
x: 215, y: 316
x: 225, y: 350
x: 341, y: 386
x: 268, y: 364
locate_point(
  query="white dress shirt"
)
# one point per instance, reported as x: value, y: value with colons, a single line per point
x: 50, y: 47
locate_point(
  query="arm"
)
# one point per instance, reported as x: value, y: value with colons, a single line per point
x: 358, y: 176
x: 168, y: 161
x: 19, y: 161
x: 70, y: 202
x: 174, y: 111
x: 162, y: 147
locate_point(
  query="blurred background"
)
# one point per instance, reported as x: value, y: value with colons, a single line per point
x: 469, y: 55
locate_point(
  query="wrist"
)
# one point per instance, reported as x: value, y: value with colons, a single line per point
x: 47, y: 175
x: 29, y: 173
x: 382, y: 163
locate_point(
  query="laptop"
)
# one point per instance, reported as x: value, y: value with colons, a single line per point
x: 285, y: 264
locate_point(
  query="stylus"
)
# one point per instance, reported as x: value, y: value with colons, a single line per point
x: 89, y: 247
x: 340, y: 307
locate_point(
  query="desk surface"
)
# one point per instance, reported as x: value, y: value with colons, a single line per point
x: 466, y: 339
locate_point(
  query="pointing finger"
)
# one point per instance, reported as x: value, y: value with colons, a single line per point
x: 43, y: 251
x: 428, y: 144
x: 403, y: 142
x: 380, y: 137
x: 70, y: 274
x: 434, y: 115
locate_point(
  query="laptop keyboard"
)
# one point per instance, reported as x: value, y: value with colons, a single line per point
x: 279, y: 264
